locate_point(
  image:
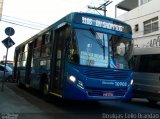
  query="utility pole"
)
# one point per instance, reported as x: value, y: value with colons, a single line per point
x: 101, y: 7
x: 8, y: 42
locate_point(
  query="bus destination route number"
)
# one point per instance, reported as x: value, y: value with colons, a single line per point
x: 102, y: 24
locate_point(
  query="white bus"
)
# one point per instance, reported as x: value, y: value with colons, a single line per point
x: 146, y: 65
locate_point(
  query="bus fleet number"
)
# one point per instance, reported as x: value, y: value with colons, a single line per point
x: 120, y: 84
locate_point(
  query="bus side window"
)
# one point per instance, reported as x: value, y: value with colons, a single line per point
x: 73, y: 50
x: 67, y: 35
x: 44, y: 66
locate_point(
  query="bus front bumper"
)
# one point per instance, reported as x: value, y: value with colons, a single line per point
x: 74, y: 92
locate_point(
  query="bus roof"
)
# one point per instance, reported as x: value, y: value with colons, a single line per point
x: 76, y: 17
x: 89, y: 20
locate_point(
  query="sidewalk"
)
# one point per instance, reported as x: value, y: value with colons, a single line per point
x: 13, y: 106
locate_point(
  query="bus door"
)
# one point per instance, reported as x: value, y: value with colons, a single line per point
x: 58, y: 62
x: 28, y: 64
x: 15, y: 71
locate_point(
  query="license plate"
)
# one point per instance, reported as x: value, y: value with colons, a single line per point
x: 108, y: 94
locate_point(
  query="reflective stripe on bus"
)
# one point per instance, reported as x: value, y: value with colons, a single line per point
x: 58, y: 95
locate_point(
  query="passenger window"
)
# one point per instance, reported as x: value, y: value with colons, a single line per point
x: 148, y: 63
x: 39, y: 41
x: 46, y: 38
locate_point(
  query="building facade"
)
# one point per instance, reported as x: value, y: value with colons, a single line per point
x: 1, y: 6
x: 144, y: 17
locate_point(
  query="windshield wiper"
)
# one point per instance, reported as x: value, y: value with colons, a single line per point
x: 98, y: 41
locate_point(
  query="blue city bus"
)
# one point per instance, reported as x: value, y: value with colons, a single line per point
x: 82, y: 56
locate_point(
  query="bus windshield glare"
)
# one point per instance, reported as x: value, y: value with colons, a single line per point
x: 98, y: 49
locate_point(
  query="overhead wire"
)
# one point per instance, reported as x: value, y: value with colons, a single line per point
x: 24, y: 20
x: 88, y: 10
x: 19, y: 24
x: 23, y: 23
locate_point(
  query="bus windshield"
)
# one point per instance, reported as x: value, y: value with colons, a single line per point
x: 120, y: 51
x: 97, y: 49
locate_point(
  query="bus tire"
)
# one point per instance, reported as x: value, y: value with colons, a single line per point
x: 151, y: 101
x: 45, y: 94
x: 10, y: 79
x: 44, y: 87
x: 126, y: 101
x: 19, y: 83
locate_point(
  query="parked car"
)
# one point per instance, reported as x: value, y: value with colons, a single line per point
x: 8, y: 73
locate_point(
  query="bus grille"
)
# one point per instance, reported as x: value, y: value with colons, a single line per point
x: 107, y: 74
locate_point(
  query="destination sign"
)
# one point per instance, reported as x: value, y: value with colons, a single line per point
x: 102, y: 22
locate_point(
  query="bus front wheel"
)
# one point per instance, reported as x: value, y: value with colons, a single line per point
x: 151, y: 101
x: 44, y: 86
x: 45, y: 89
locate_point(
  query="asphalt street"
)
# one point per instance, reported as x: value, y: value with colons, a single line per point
x: 25, y: 104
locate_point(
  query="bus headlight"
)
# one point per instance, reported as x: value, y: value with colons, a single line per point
x: 75, y: 81
x: 72, y: 79
x: 131, y: 82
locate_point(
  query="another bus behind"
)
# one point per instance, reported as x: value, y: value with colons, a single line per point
x: 146, y: 62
